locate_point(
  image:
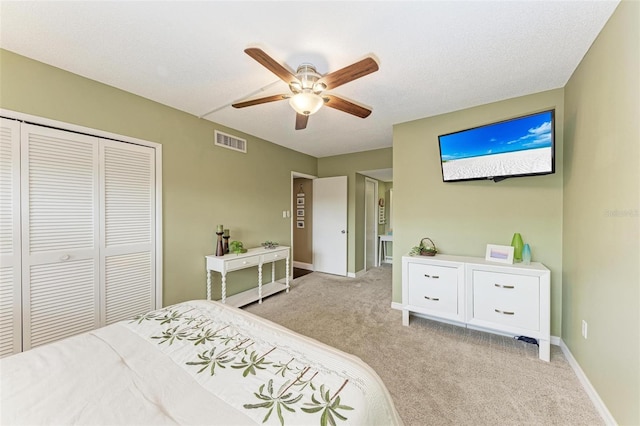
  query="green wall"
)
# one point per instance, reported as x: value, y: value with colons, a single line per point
x: 203, y: 185
x: 463, y: 217
x: 601, y: 243
x: 349, y: 165
x: 596, y: 205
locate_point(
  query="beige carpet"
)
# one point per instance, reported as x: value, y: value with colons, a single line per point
x: 437, y: 374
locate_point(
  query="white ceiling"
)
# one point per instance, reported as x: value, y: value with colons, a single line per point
x: 434, y: 56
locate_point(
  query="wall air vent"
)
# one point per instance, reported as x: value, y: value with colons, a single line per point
x: 228, y: 141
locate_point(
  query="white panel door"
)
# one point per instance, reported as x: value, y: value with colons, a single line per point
x: 10, y: 281
x: 59, y: 179
x: 330, y: 225
x: 127, y: 253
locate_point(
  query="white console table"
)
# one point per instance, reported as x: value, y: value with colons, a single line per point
x: 474, y: 293
x: 253, y: 257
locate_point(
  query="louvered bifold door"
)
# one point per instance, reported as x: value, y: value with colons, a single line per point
x: 128, y: 230
x: 60, y: 208
x: 10, y: 283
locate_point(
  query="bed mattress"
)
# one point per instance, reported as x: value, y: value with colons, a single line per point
x: 198, y: 362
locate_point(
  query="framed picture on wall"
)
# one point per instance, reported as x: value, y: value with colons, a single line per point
x: 300, y: 212
x: 300, y: 201
x: 299, y: 223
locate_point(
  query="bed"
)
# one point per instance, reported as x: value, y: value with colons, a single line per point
x: 198, y: 362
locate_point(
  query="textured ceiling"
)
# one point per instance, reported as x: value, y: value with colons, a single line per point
x: 434, y: 57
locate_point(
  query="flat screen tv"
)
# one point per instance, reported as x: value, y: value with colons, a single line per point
x: 522, y: 146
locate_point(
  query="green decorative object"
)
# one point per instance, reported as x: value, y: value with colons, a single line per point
x: 237, y: 247
x: 517, y: 244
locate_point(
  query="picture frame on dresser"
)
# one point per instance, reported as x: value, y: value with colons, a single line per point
x: 499, y: 254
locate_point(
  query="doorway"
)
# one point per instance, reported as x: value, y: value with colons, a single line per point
x: 318, y: 224
x: 370, y: 223
x: 301, y: 221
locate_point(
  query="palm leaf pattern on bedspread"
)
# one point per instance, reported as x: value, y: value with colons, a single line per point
x: 232, y: 358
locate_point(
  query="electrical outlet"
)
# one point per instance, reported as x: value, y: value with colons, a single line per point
x: 584, y: 329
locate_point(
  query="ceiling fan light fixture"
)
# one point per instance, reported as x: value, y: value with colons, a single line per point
x: 319, y: 87
x: 306, y: 102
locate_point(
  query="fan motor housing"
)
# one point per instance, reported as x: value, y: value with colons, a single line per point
x: 307, y: 80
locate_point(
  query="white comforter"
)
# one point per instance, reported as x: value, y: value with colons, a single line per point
x: 193, y: 363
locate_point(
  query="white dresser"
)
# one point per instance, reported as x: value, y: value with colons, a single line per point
x: 472, y: 292
x: 253, y: 257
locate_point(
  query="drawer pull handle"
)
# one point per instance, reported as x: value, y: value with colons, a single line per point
x: 435, y: 299
x: 504, y: 286
x: 432, y: 276
x: 504, y: 312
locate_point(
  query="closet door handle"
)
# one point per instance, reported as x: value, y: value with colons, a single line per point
x: 65, y: 257
x: 435, y: 299
x: 504, y: 312
x: 504, y: 286
x: 432, y: 276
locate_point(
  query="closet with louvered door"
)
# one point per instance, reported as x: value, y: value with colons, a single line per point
x: 60, y: 230
x: 10, y: 282
x: 79, y: 233
x: 127, y: 230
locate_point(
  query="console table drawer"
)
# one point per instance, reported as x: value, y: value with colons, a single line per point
x: 243, y: 262
x: 433, y: 287
x: 272, y: 257
x: 507, y: 299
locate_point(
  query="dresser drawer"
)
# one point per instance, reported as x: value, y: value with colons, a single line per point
x: 272, y: 257
x: 243, y: 262
x: 433, y: 287
x: 507, y: 299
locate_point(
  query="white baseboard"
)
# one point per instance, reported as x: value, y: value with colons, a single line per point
x: 357, y: 274
x: 302, y: 265
x: 396, y: 305
x: 598, y: 403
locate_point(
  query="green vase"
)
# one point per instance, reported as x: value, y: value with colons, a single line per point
x: 516, y: 243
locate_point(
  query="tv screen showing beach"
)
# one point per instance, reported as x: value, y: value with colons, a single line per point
x: 522, y: 146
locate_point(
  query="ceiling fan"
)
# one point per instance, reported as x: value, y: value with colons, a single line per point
x: 308, y: 87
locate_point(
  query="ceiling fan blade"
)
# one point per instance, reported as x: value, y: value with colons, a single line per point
x: 259, y: 101
x: 271, y: 64
x: 349, y: 73
x: 301, y: 121
x: 335, y: 102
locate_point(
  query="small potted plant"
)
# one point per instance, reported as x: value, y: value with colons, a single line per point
x: 237, y: 247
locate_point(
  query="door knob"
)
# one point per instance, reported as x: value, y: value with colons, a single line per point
x: 343, y: 231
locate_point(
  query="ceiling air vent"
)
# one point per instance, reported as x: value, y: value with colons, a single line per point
x: 227, y: 141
